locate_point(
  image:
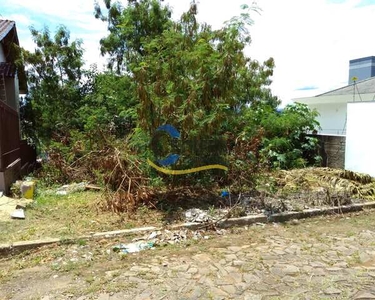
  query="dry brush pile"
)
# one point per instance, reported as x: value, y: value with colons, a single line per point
x: 324, y: 186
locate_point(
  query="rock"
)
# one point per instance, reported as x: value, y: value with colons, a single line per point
x: 278, y: 252
x: 364, y: 257
x: 196, y: 293
x: 230, y: 257
x: 364, y: 295
x: 294, y: 222
x: 332, y: 291
x: 285, y: 270
x: 366, y: 235
x: 181, y: 268
x: 217, y: 293
x: 234, y: 249
x: 155, y: 270
x: 317, y: 264
x: 334, y: 269
x: 238, y: 263
x: 139, y: 269
x: 230, y: 289
x: 341, y: 264
x: 103, y: 296
x: 202, y: 257
x: 250, y: 278
x: 252, y: 297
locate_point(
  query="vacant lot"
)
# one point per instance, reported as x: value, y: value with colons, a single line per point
x: 322, y: 258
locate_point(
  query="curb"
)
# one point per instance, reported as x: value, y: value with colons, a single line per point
x: 6, y: 249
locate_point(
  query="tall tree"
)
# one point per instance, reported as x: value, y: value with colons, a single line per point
x: 197, y: 78
x: 55, y: 77
x: 129, y: 27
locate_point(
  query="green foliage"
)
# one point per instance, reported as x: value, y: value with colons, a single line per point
x: 110, y: 105
x: 285, y: 143
x: 129, y: 27
x: 100, y: 125
x: 198, y: 80
x: 55, y: 80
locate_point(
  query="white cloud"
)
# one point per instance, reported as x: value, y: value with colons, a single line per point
x: 311, y: 41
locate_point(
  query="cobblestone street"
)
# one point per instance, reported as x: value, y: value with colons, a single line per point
x: 325, y: 258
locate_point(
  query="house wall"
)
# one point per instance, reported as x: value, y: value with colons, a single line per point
x: 2, y: 55
x: 332, y: 117
x: 2, y: 89
x: 360, y: 146
x: 11, y: 94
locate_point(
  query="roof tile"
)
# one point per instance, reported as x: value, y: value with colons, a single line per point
x: 5, y: 27
x: 8, y: 69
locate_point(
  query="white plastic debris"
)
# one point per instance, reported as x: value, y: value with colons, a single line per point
x: 18, y: 214
x: 197, y: 215
x: 133, y: 247
x: 71, y: 188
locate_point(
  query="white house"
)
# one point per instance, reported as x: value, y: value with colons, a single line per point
x: 347, y: 119
x: 332, y: 105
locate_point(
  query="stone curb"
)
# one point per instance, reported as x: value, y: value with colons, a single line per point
x: 15, y: 247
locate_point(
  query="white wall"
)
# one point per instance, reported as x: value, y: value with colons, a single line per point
x: 332, y: 117
x: 360, y: 142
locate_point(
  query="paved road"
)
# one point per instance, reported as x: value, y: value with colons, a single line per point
x: 325, y: 258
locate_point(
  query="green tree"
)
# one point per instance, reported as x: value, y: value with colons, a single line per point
x: 286, y: 141
x: 109, y: 105
x: 198, y: 79
x: 55, y: 79
x: 129, y: 27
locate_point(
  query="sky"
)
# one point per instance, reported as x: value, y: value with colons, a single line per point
x: 311, y: 41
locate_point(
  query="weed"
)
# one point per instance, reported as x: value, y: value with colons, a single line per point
x: 354, y: 259
x: 90, y: 279
x: 81, y: 242
x: 211, y: 210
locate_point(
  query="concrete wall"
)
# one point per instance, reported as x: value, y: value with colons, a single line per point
x: 332, y: 117
x: 360, y: 142
x: 332, y: 150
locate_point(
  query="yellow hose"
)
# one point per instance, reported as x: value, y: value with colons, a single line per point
x: 182, y: 172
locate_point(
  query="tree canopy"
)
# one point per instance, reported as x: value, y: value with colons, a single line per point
x: 164, y: 71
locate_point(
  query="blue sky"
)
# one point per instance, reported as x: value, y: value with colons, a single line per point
x: 311, y: 41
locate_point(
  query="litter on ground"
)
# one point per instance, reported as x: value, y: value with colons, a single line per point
x: 133, y: 247
x: 18, y: 213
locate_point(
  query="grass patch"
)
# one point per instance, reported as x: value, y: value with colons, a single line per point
x: 70, y: 216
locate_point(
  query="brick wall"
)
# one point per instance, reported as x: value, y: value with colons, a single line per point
x: 332, y: 150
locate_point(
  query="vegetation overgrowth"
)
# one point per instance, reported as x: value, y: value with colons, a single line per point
x: 101, y: 125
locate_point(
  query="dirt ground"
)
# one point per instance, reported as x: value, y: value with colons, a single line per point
x: 81, y: 213
x: 321, y: 258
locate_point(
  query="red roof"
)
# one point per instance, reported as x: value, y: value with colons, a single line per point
x: 5, y: 27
